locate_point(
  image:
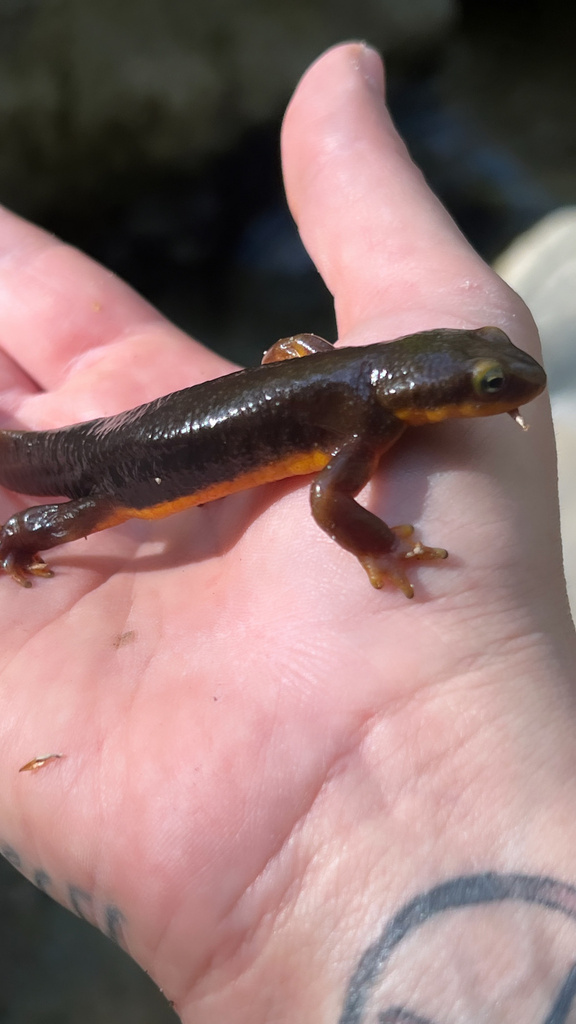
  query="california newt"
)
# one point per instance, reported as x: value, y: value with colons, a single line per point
x: 332, y: 413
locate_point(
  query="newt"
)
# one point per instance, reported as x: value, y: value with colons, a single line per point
x: 308, y: 409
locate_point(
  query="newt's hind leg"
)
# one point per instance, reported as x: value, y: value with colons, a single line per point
x: 41, y: 527
x: 296, y: 346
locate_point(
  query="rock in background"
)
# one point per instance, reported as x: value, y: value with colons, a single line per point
x: 541, y: 266
x: 95, y: 89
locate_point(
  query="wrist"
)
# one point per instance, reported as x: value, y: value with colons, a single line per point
x: 433, y: 839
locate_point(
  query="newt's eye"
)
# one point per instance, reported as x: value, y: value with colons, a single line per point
x: 489, y: 379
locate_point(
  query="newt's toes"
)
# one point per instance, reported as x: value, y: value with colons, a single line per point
x: 20, y: 565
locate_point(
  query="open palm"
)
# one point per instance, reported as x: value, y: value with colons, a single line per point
x: 222, y: 684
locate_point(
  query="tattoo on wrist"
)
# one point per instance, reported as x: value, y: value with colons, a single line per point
x: 516, y: 928
x: 105, y: 916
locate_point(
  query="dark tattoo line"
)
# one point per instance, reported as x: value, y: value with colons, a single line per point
x: 79, y: 900
x: 113, y: 927
x: 13, y: 858
x: 561, y: 1009
x: 42, y: 880
x: 558, y: 1014
x: 398, y: 1015
x: 469, y: 890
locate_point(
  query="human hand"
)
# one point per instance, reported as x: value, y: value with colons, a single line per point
x: 264, y: 758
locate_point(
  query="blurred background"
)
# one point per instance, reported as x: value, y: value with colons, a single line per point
x: 146, y: 133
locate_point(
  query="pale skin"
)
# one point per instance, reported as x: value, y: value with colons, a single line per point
x: 263, y: 757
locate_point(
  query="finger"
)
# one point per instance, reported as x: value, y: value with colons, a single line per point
x: 63, y: 314
x: 382, y: 242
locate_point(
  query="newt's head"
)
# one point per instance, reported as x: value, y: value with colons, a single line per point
x: 444, y: 374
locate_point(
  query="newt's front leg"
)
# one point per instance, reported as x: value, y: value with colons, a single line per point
x: 296, y: 346
x: 380, y: 549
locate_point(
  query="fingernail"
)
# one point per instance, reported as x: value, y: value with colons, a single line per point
x: 371, y: 67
